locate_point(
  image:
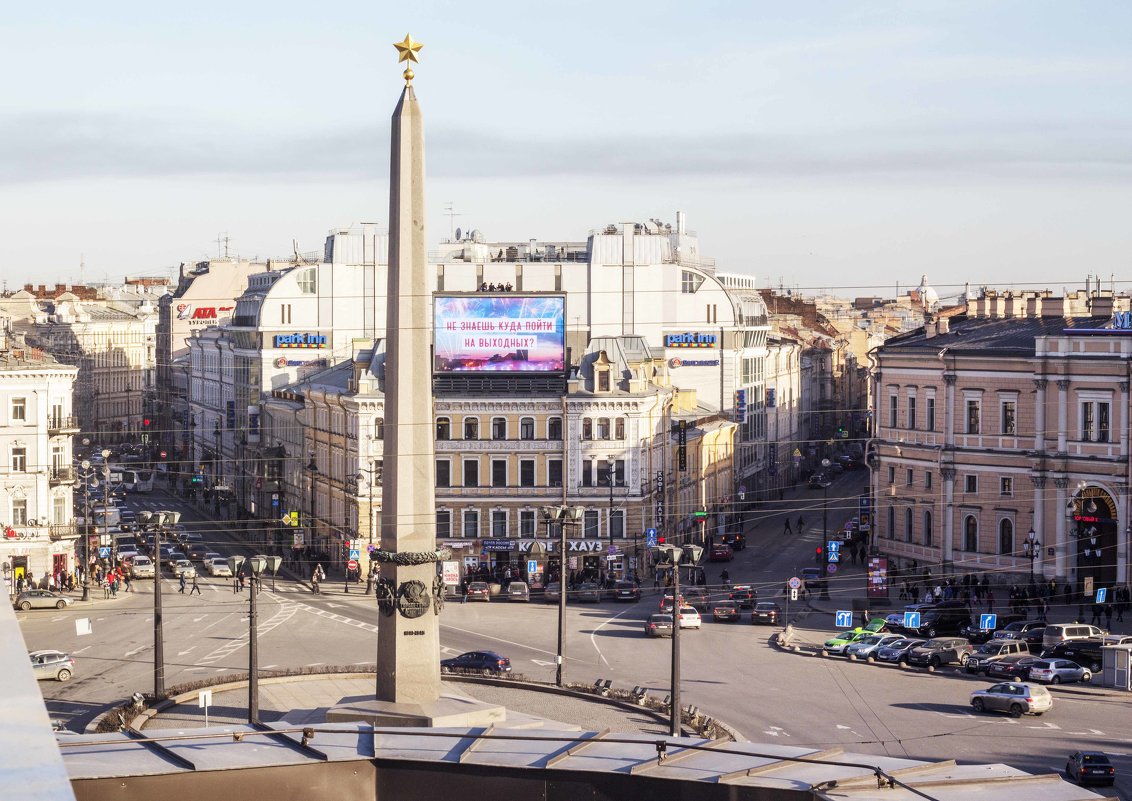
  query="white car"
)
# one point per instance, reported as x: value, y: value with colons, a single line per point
x: 183, y: 567
x: 209, y: 556
x: 219, y: 567
x: 690, y: 618
x: 142, y: 567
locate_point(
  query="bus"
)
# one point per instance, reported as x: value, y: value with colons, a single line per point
x: 137, y: 480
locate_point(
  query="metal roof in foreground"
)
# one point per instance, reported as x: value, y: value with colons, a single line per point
x: 604, y: 763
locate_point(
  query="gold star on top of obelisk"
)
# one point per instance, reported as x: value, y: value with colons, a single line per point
x: 407, y: 51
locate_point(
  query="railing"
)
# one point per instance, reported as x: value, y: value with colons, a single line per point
x: 63, y: 531
x: 60, y: 475
x: 57, y: 423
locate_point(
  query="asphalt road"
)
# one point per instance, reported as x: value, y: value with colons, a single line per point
x: 729, y: 670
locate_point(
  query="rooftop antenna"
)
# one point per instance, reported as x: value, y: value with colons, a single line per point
x: 222, y: 240
x: 82, y: 267
x: 450, y: 211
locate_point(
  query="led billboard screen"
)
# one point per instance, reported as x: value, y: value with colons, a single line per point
x: 499, y: 333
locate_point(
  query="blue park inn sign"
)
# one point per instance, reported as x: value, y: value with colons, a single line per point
x: 301, y: 340
x: 689, y: 340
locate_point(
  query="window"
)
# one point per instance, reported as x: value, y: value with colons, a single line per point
x: 19, y: 409
x: 973, y: 417
x: 928, y: 529
x: 891, y: 530
x: 910, y: 478
x: 499, y: 428
x: 587, y: 473
x: 443, y: 429
x: 591, y: 524
x: 471, y: 428
x: 603, y: 380
x: 891, y: 474
x: 554, y: 428
x: 307, y: 281
x: 911, y: 411
x: 443, y: 473
x: 471, y: 473
x: 443, y: 523
x: 1095, y: 421
x: 927, y: 479
x: 471, y: 524
x: 587, y: 428
x: 527, y: 428
x: 527, y: 523
x: 1006, y: 486
x: 379, y: 428
x: 1006, y: 537
x: 19, y: 460
x: 526, y: 472
x: 690, y: 282
x: 1009, y: 424
x: 554, y: 472
x: 970, y: 534
x: 603, y: 428
x: 616, y: 524
x: 619, y: 473
x: 499, y: 472
x: 59, y: 510
x: 619, y: 428
x: 498, y: 523
x: 930, y: 415
x: 19, y: 511
x: 970, y: 483
x: 908, y: 524
x: 893, y: 410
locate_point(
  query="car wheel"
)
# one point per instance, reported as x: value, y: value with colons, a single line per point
x: 63, y: 674
x: 931, y: 633
x: 1015, y: 710
x: 60, y: 604
x: 963, y: 659
x: 445, y: 669
x: 934, y: 662
x: 26, y: 605
x: 870, y: 659
x: 1055, y: 680
x: 1086, y: 676
x: 486, y: 671
x: 978, y: 704
x: 1094, y: 667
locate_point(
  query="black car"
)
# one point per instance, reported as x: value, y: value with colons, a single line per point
x: 1015, y: 667
x: 744, y: 595
x: 819, y: 481
x: 486, y: 662
x: 626, y: 591
x: 949, y: 617
x: 1086, y: 653
x: 1090, y: 767
x: 977, y: 636
x: 1034, y: 639
x: 766, y: 612
x: 737, y: 541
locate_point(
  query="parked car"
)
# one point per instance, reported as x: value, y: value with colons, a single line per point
x: 725, y: 611
x: 721, y: 553
x: 626, y: 591
x: 866, y: 647
x: 838, y: 643
x: 949, y: 617
x: 941, y: 651
x: 1086, y: 653
x: 1090, y: 767
x: 478, y: 591
x: 50, y: 664
x: 1056, y: 671
x: 1018, y: 629
x: 219, y: 567
x: 589, y: 593
x: 992, y: 651
x: 41, y: 599
x: 767, y: 612
x: 897, y: 650
x: 1060, y: 632
x: 976, y: 636
x: 1033, y: 639
x: 819, y: 481
x: 658, y: 625
x: 690, y: 618
x: 518, y: 591
x: 552, y: 592
x: 743, y: 594
x: 1015, y: 667
x: 486, y: 662
x: 1017, y: 698
x: 142, y: 567
x: 183, y: 568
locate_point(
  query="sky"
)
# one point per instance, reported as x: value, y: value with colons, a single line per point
x: 822, y: 146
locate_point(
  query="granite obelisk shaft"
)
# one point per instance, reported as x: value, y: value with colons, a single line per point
x: 408, y: 652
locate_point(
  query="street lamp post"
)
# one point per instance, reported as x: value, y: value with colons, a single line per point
x: 86, y: 475
x: 372, y: 477
x: 609, y: 461
x: 673, y: 555
x: 563, y: 515
x: 825, y: 529
x: 312, y: 468
x: 158, y: 520
x: 1033, y: 548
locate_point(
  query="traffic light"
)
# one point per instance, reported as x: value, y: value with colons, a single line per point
x: 145, y: 422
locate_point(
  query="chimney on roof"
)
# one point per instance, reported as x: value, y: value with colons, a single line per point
x: 943, y: 325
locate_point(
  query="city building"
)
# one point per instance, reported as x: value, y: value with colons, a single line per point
x: 37, y: 422
x: 1002, y: 442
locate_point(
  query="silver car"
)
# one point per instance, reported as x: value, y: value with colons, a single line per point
x: 41, y: 599
x: 518, y: 591
x: 1055, y: 671
x: 867, y: 647
x: 219, y: 567
x: 54, y: 665
x: 183, y: 568
x: 1017, y: 698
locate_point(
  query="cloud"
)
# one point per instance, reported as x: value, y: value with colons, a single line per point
x: 45, y: 147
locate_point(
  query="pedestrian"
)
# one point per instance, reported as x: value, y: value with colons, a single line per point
x: 990, y: 600
x: 1043, y: 610
x: 1097, y: 611
x: 240, y: 577
x: 786, y: 528
x: 182, y: 588
x: 801, y: 524
x: 126, y: 581
x: 1108, y: 616
x: 105, y: 582
x: 196, y: 587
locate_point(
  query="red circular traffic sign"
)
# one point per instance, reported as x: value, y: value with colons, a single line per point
x: 352, y: 564
x: 831, y: 568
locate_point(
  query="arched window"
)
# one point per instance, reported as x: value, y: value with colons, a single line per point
x: 587, y: 428
x: 970, y: 534
x: 499, y: 428
x: 928, y: 529
x: 1006, y: 537
x: 471, y: 428
x: 443, y: 428
x: 891, y: 530
x: 908, y: 524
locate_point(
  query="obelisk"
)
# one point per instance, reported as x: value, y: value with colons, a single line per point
x: 408, y: 651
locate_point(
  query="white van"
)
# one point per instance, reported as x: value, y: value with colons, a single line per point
x: 1060, y: 632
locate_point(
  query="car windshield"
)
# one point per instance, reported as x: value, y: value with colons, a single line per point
x: 899, y: 643
x: 935, y: 644
x: 1094, y: 759
x: 660, y: 619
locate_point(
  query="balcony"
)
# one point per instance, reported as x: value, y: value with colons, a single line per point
x: 63, y: 531
x: 59, y: 424
x: 61, y: 475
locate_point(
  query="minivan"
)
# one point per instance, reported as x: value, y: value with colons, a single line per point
x: 1060, y: 632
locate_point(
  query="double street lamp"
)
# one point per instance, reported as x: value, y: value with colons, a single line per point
x: 157, y: 521
x: 674, y: 555
x: 256, y: 566
x: 825, y: 464
x: 563, y: 516
x: 1033, y: 549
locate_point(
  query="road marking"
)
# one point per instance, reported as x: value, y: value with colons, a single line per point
x: 337, y: 606
x: 500, y: 639
x: 182, y: 653
x: 285, y: 613
x: 1045, y: 725
x: 599, y: 628
x: 268, y: 667
x: 543, y: 662
x: 57, y: 618
x: 199, y: 619
x: 315, y: 664
x: 444, y: 649
x: 81, y: 650
x: 135, y: 651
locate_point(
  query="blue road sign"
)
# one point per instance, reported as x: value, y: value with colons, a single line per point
x: 988, y: 622
x: 834, y: 556
x: 355, y: 553
x: 532, y: 566
x: 911, y: 620
x: 834, y: 545
x: 650, y: 538
x: 104, y: 552
x: 1102, y: 594
x: 844, y: 620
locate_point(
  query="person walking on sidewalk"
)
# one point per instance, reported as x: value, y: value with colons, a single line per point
x: 196, y: 587
x: 182, y: 589
x: 786, y: 528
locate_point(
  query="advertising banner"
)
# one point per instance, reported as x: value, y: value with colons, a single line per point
x: 499, y: 333
x: 877, y: 586
x: 451, y: 572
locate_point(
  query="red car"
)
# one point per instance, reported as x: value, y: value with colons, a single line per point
x: 721, y: 553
